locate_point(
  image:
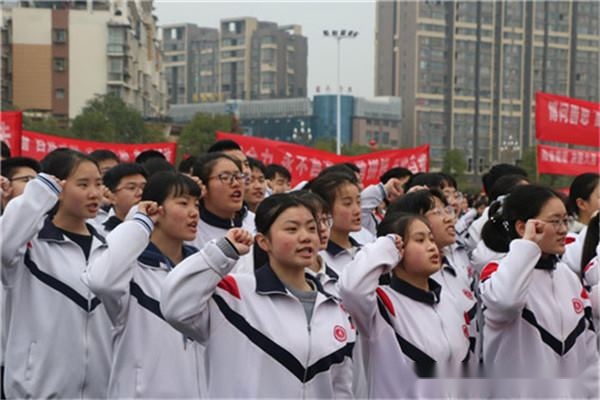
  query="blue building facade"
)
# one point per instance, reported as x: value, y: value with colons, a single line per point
x: 325, y: 117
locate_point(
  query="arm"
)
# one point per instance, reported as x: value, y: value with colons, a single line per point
x: 359, y: 281
x: 108, y: 276
x: 370, y: 198
x: 504, y: 291
x: 24, y: 217
x: 189, y: 287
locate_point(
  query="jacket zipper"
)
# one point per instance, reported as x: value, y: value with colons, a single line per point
x: 560, y: 316
x: 308, y: 328
x: 85, y: 345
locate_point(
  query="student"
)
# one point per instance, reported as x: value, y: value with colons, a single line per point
x: 18, y: 171
x: 221, y: 206
x: 319, y: 268
x: 295, y: 339
x: 257, y: 185
x: 150, y: 358
x: 342, y: 194
x: 534, y: 305
x: 105, y: 159
x: 146, y: 155
x: 233, y: 150
x: 412, y: 328
x: 454, y: 275
x: 125, y: 183
x: 278, y: 179
x: 58, y: 341
x: 590, y: 262
x: 186, y: 165
x: 4, y: 150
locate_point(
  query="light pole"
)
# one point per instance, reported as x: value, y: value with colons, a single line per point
x: 302, y: 135
x: 338, y: 36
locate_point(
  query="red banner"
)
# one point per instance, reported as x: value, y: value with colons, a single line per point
x: 10, y: 130
x: 566, y: 120
x: 561, y: 161
x: 37, y: 145
x: 305, y: 163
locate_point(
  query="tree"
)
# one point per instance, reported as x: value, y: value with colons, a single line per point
x: 325, y: 145
x: 108, y: 118
x: 454, y: 163
x: 49, y: 125
x: 199, y: 134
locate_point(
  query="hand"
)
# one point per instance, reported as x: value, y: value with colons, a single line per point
x: 4, y: 184
x: 534, y: 230
x: 398, y: 242
x: 150, y: 209
x: 241, y: 239
x: 393, y: 189
x: 200, y: 185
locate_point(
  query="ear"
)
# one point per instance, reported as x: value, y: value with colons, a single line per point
x: 263, y: 242
x: 520, y: 227
x: 581, y: 203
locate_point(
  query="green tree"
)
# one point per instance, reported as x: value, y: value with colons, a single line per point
x: 355, y: 149
x: 454, y: 163
x: 108, y: 118
x: 49, y: 125
x: 325, y: 145
x: 199, y: 134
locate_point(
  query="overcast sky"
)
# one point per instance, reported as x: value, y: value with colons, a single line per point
x: 357, y: 55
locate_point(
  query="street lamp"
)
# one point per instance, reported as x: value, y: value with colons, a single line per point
x: 338, y: 35
x: 510, y: 145
x: 302, y: 135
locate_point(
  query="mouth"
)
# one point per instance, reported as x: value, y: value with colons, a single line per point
x: 193, y: 226
x: 451, y: 230
x: 92, y: 207
x: 435, y: 259
x: 237, y: 195
x: 356, y: 221
x: 306, y: 252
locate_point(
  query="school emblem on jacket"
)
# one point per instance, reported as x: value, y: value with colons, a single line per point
x: 468, y: 294
x: 578, y: 305
x: 339, y: 333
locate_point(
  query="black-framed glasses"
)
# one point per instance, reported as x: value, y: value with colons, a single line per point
x: 132, y: 187
x: 229, y: 177
x: 326, y: 221
x: 558, y: 222
x: 25, y: 178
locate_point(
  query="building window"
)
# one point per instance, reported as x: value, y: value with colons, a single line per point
x: 59, y: 94
x: 59, y: 64
x: 59, y: 35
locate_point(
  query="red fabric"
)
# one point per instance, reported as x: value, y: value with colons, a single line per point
x: 37, y: 145
x: 566, y: 120
x: 584, y: 294
x: 230, y: 285
x: 587, y: 267
x: 10, y: 130
x: 386, y: 301
x: 305, y: 163
x: 569, y: 240
x: 488, y: 270
x: 562, y: 161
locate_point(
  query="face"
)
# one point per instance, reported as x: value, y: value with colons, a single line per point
x: 324, y: 227
x: 256, y: 188
x: 239, y: 155
x: 441, y: 219
x: 293, y: 239
x: 346, y: 209
x: 421, y: 255
x: 105, y: 165
x: 279, y: 184
x: 453, y: 197
x: 21, y: 176
x: 82, y: 192
x: 554, y: 214
x: 128, y: 193
x: 224, y: 189
x: 179, y: 217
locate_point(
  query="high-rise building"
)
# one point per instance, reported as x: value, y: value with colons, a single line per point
x: 191, y: 59
x: 261, y: 60
x: 468, y: 71
x: 65, y: 53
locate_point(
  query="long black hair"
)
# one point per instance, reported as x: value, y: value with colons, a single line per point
x: 590, y: 242
x: 523, y: 203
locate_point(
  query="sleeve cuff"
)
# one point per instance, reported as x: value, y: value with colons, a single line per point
x: 228, y: 248
x: 49, y: 182
x: 144, y: 221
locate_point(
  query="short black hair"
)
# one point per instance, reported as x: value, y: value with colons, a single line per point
x: 582, y: 187
x: 9, y: 166
x: 169, y: 183
x: 148, y: 155
x: 417, y: 202
x: 327, y: 185
x: 223, y: 145
x: 274, y: 169
x: 353, y: 167
x: 504, y: 185
x: 153, y: 165
x: 498, y: 171
x: 104, y: 154
x: 63, y: 161
x: 205, y: 163
x: 429, y: 179
x: 254, y: 163
x: 396, y: 172
x: 113, y: 176
x: 5, y: 150
x: 187, y: 164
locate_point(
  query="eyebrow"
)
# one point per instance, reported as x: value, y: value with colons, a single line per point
x: 419, y: 234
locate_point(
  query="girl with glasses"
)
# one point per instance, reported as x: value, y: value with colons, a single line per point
x: 294, y: 339
x: 222, y: 206
x: 538, y: 320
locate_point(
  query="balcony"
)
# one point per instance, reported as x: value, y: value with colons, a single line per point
x: 116, y: 49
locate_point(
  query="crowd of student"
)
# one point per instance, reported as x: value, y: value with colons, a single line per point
x: 136, y: 280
